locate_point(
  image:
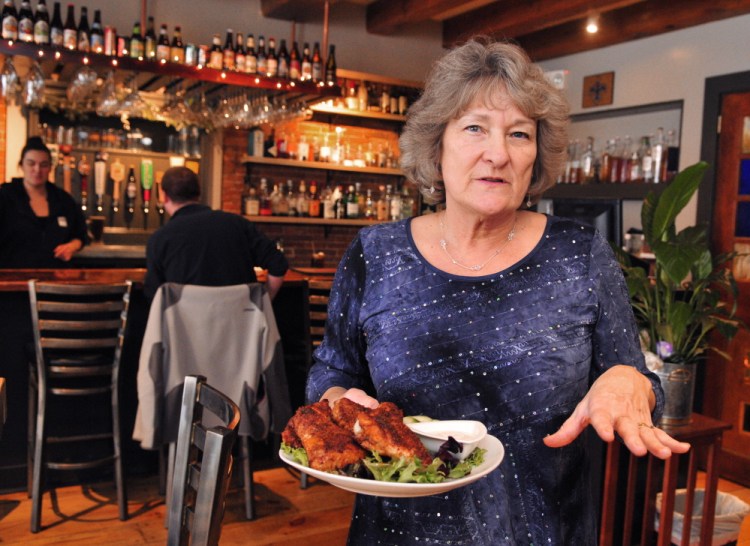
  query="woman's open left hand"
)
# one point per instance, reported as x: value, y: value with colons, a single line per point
x: 620, y: 400
x: 66, y: 251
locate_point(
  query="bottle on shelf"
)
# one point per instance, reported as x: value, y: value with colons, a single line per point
x: 149, y: 41
x: 303, y: 201
x: 25, y: 22
x: 262, y: 63
x: 361, y: 198
x: 625, y: 155
x: 295, y: 63
x: 56, y: 31
x: 252, y: 202
x: 635, y: 162
x: 251, y: 56
x: 162, y: 45
x: 330, y: 75
x: 408, y: 204
x: 306, y: 64
x: 381, y: 205
x: 9, y: 20
x: 216, y: 53
x: 177, y: 48
x: 574, y: 173
x: 587, y: 162
x: 240, y: 56
x: 97, y: 33
x: 339, y: 203
x: 605, y: 171
x: 283, y: 69
x: 395, y: 209
x: 647, y: 163
x: 329, y: 205
x: 317, y: 64
x: 137, y: 46
x: 84, y: 31
x: 272, y: 61
x: 227, y: 62
x: 265, y: 201
x: 41, y: 24
x: 362, y: 97
x: 673, y: 154
x: 70, y: 30
x: 352, y: 203
x: 659, y: 156
x: 370, y: 207
x: 314, y: 201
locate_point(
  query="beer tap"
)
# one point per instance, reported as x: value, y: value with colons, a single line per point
x: 147, y: 182
x: 100, y: 179
x: 131, y: 193
x: 159, y: 197
x: 84, y: 168
x: 117, y: 174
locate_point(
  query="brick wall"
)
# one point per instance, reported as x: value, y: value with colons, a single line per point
x: 300, y: 241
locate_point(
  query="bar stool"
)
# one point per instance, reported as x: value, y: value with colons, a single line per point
x: 78, y: 337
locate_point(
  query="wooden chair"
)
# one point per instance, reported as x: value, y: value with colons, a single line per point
x: 203, y: 465
x: 78, y: 338
x: 319, y: 291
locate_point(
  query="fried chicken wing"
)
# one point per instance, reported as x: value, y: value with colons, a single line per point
x: 345, y: 413
x: 383, y: 430
x: 328, y: 446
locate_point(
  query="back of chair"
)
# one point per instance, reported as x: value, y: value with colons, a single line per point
x: 203, y: 465
x: 78, y: 330
x: 319, y: 292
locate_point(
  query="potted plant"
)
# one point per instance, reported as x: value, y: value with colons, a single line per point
x: 687, y: 294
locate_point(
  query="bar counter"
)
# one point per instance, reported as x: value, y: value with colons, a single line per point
x: 290, y: 308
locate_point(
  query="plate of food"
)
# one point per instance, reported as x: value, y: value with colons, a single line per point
x: 372, y: 452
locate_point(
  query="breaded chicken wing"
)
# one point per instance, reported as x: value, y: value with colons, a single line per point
x: 383, y: 430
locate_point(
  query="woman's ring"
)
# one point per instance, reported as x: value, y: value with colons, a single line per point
x: 646, y: 425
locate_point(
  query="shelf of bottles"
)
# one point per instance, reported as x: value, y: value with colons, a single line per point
x: 320, y: 165
x: 34, y: 35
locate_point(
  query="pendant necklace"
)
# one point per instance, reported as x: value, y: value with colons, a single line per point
x: 477, y: 267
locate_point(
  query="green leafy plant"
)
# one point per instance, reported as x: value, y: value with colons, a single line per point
x: 690, y: 292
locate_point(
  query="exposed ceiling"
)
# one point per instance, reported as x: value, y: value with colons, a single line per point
x: 545, y: 28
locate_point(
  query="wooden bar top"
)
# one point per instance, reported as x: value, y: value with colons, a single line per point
x: 15, y: 280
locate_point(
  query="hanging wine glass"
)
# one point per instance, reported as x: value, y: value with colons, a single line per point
x: 82, y: 86
x: 33, y: 87
x: 9, y: 82
x: 108, y: 104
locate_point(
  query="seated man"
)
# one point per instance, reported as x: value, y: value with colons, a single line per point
x: 206, y: 247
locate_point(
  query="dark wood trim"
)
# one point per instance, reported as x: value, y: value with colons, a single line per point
x: 715, y: 89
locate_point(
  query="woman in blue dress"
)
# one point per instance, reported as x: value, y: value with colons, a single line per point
x: 489, y: 311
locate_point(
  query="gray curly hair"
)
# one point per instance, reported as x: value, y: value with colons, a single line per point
x: 474, y: 70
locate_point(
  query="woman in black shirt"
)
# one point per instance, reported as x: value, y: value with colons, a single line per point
x: 41, y: 226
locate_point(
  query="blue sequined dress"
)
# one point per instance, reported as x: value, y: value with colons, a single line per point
x: 516, y: 350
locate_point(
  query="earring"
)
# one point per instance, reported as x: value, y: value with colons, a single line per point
x: 432, y: 189
x: 528, y: 200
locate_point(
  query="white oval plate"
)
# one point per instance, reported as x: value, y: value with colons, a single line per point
x: 492, y: 458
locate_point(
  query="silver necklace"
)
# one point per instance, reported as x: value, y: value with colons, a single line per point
x: 477, y: 267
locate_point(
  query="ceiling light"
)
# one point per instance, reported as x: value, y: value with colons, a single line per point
x: 592, y: 27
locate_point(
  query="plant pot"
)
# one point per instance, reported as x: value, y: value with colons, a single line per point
x: 678, y: 382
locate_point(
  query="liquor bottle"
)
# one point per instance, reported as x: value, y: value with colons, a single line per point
x: 70, y: 30
x: 262, y: 64
x: 395, y: 206
x: 408, y: 205
x: 84, y: 32
x: 351, y: 203
x: 381, y: 206
x: 635, y: 175
x: 41, y: 23
x: 252, y: 202
x: 228, y: 51
x: 317, y: 64
x: 131, y: 192
x: 272, y: 66
x: 10, y: 21
x: 647, y: 163
x: 370, y: 207
x: 251, y: 56
x: 331, y: 66
x: 177, y: 49
x: 659, y: 156
x: 605, y: 172
x: 329, y: 205
x: 162, y: 45
x: 306, y: 65
x: 137, y: 49
x: 295, y: 63
x: 216, y: 54
x: 240, y: 57
x: 283, y: 69
x: 575, y: 163
x: 56, y: 27
x: 361, y: 198
x: 150, y: 40
x: 25, y: 22
x: 303, y: 201
x: 265, y: 202
x: 363, y: 98
x: 673, y: 155
x: 313, y: 201
x: 625, y: 154
x: 587, y: 162
x: 97, y: 33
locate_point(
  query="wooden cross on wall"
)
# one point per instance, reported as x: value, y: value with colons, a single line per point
x: 598, y: 90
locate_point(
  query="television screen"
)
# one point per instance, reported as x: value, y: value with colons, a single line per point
x: 605, y: 215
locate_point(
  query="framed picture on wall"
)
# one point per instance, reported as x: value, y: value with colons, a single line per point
x: 598, y: 89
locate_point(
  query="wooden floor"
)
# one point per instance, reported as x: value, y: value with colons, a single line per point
x: 287, y: 515
x: 316, y: 516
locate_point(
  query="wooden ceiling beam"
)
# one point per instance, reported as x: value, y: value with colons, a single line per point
x: 388, y: 16
x: 293, y: 10
x: 510, y: 19
x: 631, y: 23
